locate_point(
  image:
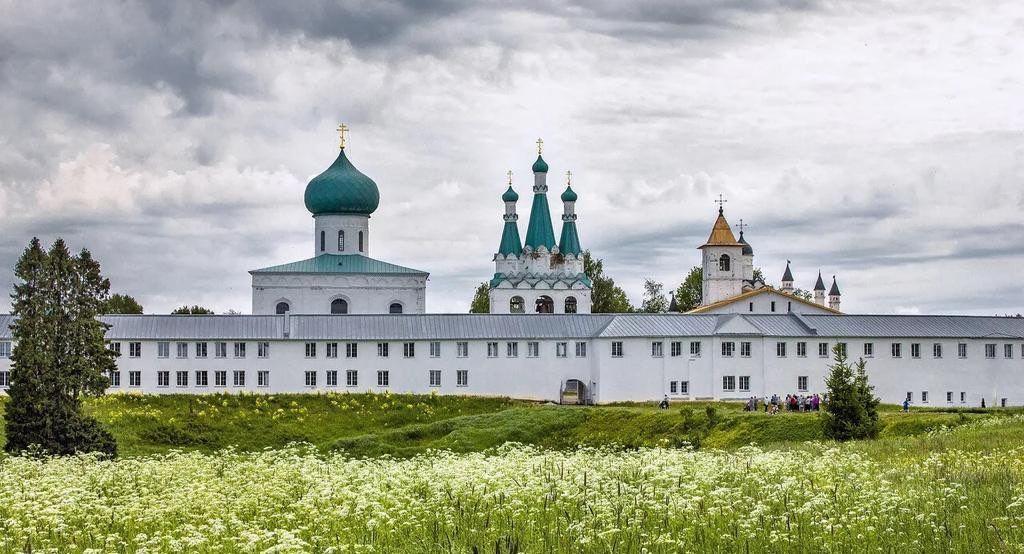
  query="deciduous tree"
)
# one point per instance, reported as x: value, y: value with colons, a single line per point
x: 605, y: 296
x: 481, y: 304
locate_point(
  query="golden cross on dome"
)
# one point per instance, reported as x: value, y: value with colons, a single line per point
x: 510, y: 177
x: 540, y: 145
x: 568, y: 178
x: 721, y: 202
x: 342, y: 129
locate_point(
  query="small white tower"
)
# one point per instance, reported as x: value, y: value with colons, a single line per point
x: 833, y: 295
x: 787, y: 279
x: 819, y: 291
x: 722, y: 262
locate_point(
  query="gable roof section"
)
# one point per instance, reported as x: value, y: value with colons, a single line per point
x: 756, y: 292
x: 735, y: 324
x: 341, y: 263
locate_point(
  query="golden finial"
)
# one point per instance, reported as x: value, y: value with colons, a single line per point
x: 540, y: 145
x: 568, y: 178
x: 342, y: 129
x: 510, y: 177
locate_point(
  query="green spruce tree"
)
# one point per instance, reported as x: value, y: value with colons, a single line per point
x: 851, y: 411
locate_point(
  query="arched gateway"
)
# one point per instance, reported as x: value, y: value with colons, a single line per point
x: 574, y: 391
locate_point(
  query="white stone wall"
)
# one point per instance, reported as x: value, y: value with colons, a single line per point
x: 313, y: 293
x: 762, y: 304
x: 329, y: 225
x: 500, y: 298
x: 719, y: 285
x: 636, y: 375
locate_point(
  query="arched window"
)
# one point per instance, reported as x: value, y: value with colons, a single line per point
x: 360, y: 241
x: 395, y: 308
x: 570, y: 305
x: 723, y: 263
x: 516, y: 305
x: 339, y: 306
x: 545, y: 305
x: 341, y: 241
x: 323, y: 241
x: 282, y: 308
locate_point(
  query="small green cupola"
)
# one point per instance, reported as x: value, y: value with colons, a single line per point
x: 540, y: 166
x: 569, y: 195
x: 510, y: 195
x: 342, y: 189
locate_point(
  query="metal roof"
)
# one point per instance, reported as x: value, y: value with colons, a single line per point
x: 340, y: 263
x: 548, y: 326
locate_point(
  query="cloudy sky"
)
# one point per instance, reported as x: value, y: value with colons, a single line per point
x: 878, y: 141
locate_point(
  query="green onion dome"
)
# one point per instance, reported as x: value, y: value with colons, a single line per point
x: 540, y: 166
x: 342, y: 189
x: 569, y: 195
x: 510, y: 195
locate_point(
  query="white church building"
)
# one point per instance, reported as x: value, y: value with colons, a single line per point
x: 343, y: 321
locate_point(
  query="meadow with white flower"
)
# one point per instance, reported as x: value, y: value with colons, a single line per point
x: 948, y: 490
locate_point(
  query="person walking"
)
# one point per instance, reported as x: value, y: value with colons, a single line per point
x: 906, y: 405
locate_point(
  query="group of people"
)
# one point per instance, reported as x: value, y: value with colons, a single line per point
x: 792, y: 403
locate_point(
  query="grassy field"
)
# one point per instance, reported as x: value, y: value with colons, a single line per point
x: 946, y: 490
x: 406, y: 425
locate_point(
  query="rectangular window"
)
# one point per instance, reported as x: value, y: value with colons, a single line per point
x: 1007, y: 350
x: 744, y: 382
x: 331, y: 350
x: 729, y: 383
x: 200, y: 349
x: 332, y: 378
x: 512, y: 349
x: 351, y: 350
x: 182, y: 378
x: 915, y: 350
x: 262, y: 349
x: 617, y: 349
x: 220, y: 349
x: 220, y: 378
x: 532, y: 349
x: 822, y: 349
x: 310, y: 349
x: 745, y: 349
x: 801, y: 349
x: 657, y: 349
x: 684, y: 387
x: 801, y: 383
x: 949, y: 397
x: 727, y: 349
x: 163, y: 378
x: 351, y: 378
x: 409, y: 349
x: 115, y: 378
x: 581, y: 350
x: 382, y: 350
x: 961, y: 350
x: 910, y: 396
x: 239, y: 349
x: 163, y: 350
x: 492, y: 350
x: 990, y: 350
x: 202, y: 379
x: 676, y: 348
x: 897, y: 350
x: 134, y: 378
x: 937, y: 350
x: 773, y: 306
x: 462, y: 349
x: 239, y: 377
x: 924, y: 397
x: 842, y: 348
x: 695, y: 349
x: 780, y: 349
x: 310, y: 378
x: 262, y: 378
x: 435, y: 377
x: 383, y: 378
x: 435, y: 349
x: 673, y: 387
x: 561, y: 349
x: 5, y: 349
x: 963, y: 397
x: 182, y: 349
x: 462, y: 378
x: 869, y: 349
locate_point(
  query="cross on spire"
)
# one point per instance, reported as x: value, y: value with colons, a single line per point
x: 510, y: 177
x: 721, y: 203
x: 540, y: 145
x: 342, y: 130
x: 568, y: 178
x: 742, y: 226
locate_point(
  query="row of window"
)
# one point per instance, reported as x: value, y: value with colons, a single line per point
x: 238, y: 378
x: 949, y: 397
x: 341, y: 241
x: 824, y: 350
x: 543, y: 305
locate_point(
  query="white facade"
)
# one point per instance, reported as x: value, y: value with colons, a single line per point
x: 764, y: 301
x: 313, y: 293
x: 501, y: 297
x: 341, y: 234
x: 723, y: 272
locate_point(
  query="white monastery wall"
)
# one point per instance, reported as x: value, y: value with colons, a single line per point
x: 313, y: 293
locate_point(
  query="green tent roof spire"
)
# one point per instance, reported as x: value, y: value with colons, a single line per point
x: 510, y: 242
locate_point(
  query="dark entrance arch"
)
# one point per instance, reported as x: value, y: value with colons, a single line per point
x: 545, y: 305
x: 339, y: 306
x: 573, y: 392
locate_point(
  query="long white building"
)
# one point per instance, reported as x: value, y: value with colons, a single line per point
x: 933, y: 360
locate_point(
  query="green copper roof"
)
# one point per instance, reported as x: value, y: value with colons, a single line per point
x: 570, y: 241
x: 342, y: 189
x: 340, y: 263
x: 540, y: 166
x: 510, y: 195
x: 569, y: 195
x: 510, y: 242
x: 540, y: 232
